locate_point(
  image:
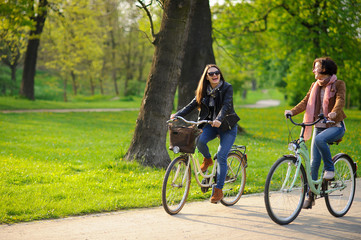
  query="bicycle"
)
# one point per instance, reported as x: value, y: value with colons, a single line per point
x: 177, y: 179
x: 288, y: 181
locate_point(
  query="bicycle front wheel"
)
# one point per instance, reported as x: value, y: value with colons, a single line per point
x: 339, y: 202
x: 176, y: 185
x: 283, y: 198
x: 235, y: 179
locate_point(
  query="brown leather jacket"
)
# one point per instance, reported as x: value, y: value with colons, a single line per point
x: 336, y: 103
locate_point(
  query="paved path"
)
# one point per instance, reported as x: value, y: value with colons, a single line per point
x: 263, y: 104
x: 247, y: 219
x: 259, y: 104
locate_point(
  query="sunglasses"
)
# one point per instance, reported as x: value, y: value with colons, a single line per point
x: 212, y: 73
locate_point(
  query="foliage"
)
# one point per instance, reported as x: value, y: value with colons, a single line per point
x: 94, y: 46
x: 14, y: 28
x: 91, y: 46
x: 275, y: 42
x: 62, y: 164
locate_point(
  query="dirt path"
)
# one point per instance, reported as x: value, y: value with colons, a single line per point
x: 247, y: 219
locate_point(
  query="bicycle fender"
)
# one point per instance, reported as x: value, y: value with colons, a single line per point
x: 290, y: 156
x: 243, y: 157
x: 354, y: 165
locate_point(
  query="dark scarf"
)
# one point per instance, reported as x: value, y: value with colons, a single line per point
x: 212, y: 92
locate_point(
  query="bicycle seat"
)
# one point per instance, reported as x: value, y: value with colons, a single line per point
x: 336, y: 142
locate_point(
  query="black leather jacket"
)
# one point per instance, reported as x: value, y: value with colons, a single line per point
x: 223, y: 104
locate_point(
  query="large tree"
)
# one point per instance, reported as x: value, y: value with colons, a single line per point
x: 148, y: 145
x: 198, y: 51
x: 38, y: 14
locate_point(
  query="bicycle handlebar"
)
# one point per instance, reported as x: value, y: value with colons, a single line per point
x: 190, y: 122
x: 320, y: 117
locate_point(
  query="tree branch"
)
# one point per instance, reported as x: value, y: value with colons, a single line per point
x: 145, y: 8
x: 293, y: 14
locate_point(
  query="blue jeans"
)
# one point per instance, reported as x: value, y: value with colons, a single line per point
x: 320, y: 148
x: 227, y: 139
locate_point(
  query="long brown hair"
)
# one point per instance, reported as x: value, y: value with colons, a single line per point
x: 203, y: 82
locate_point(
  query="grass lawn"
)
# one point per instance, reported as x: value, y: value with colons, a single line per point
x: 61, y: 164
x: 15, y: 103
x: 12, y: 103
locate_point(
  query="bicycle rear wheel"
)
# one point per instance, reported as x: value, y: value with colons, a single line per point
x: 176, y: 185
x: 284, y: 203
x: 339, y: 202
x: 235, y: 179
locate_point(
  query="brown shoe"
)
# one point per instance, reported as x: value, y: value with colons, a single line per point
x: 309, y: 201
x: 206, y: 163
x: 217, y: 195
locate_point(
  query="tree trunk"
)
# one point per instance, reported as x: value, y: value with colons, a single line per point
x: 254, y: 85
x: 244, y: 94
x: 3, y: 88
x: 102, y: 76
x: 101, y: 86
x: 198, y: 53
x: 125, y: 90
x: 114, y: 64
x: 13, y: 78
x: 149, y: 141
x: 141, y: 65
x: 27, y: 83
x: 128, y: 64
x: 65, y: 84
x: 92, y: 86
x: 73, y: 78
x: 114, y: 75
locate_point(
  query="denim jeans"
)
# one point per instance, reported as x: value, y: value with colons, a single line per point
x: 227, y: 139
x: 320, y: 148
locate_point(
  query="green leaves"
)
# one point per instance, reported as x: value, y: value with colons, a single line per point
x: 275, y: 42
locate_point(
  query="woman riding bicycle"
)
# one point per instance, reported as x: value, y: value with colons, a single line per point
x: 214, y: 101
x: 326, y: 95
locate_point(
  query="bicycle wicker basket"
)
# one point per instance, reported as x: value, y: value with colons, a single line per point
x: 183, y: 136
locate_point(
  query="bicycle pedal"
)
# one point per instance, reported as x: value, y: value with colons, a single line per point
x: 205, y: 181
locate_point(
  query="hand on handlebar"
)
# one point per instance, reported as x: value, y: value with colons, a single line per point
x: 332, y: 115
x: 174, y: 118
x: 288, y: 113
x: 216, y: 123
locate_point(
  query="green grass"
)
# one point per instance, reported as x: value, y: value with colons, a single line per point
x: 99, y: 101
x: 55, y: 165
x: 14, y: 103
x: 261, y: 94
x: 62, y: 164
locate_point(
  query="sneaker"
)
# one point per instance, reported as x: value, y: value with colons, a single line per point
x: 329, y: 175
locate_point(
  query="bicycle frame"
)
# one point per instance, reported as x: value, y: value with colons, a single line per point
x: 196, y: 166
x: 197, y: 171
x: 302, y: 153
